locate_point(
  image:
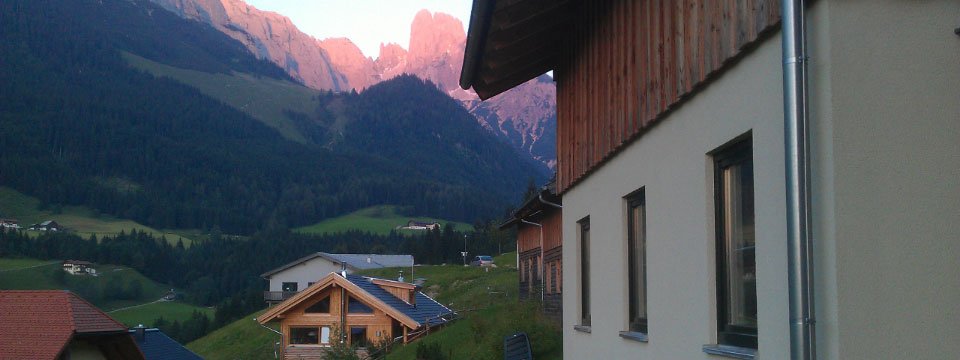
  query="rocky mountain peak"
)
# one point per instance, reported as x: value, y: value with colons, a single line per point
x: 346, y: 57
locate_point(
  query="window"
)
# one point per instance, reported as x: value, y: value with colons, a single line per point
x: 325, y: 335
x: 358, y: 336
x: 320, y: 307
x: 637, y: 261
x: 289, y: 286
x: 585, y: 271
x: 305, y: 335
x: 354, y: 306
x: 736, y: 262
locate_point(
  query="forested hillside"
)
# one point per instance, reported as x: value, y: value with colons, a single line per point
x: 78, y: 125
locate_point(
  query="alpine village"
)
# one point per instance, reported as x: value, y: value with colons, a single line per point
x: 479, y: 179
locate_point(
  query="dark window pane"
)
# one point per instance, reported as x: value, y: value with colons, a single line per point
x: 736, y: 241
x: 357, y: 307
x: 637, y: 262
x: 358, y: 336
x: 304, y: 335
x: 322, y: 306
x: 585, y: 272
x: 289, y: 286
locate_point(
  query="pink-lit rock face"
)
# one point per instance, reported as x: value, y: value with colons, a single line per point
x: 268, y: 35
x: 347, y: 58
x: 523, y: 116
x: 392, y: 61
x: 437, y: 43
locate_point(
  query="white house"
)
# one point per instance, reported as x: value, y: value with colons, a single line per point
x: 299, y: 274
x: 9, y: 224
x: 747, y: 179
x: 78, y: 267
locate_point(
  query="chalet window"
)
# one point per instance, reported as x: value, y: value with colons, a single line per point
x: 355, y: 306
x: 358, y: 336
x: 305, y: 335
x: 289, y: 286
x: 637, y: 261
x: 736, y: 262
x: 585, y: 271
x: 320, y: 307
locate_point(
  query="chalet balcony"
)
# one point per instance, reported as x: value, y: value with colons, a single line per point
x: 277, y: 296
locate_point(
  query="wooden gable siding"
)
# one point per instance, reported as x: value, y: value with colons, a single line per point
x: 624, y: 64
x: 375, y: 322
x: 528, y: 236
x: 552, y: 230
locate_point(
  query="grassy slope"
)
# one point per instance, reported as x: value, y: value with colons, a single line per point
x: 262, y: 98
x: 32, y: 274
x: 490, y: 309
x: 242, y: 339
x: 82, y: 220
x: 376, y: 219
x: 169, y: 310
x: 43, y: 278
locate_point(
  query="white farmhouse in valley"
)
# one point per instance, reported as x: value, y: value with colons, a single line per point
x: 299, y: 274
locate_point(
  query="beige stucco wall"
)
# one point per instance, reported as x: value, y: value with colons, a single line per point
x: 885, y: 112
x: 886, y: 122
x: 304, y: 273
x: 672, y: 164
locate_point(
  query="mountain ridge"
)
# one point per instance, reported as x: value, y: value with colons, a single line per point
x: 524, y: 117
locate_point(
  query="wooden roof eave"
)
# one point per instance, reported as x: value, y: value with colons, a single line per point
x: 511, y: 42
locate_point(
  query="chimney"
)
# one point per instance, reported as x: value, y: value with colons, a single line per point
x: 141, y: 333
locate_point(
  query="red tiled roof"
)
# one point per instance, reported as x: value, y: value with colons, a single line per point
x: 38, y: 324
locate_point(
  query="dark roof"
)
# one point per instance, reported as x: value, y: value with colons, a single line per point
x: 541, y: 203
x: 427, y: 311
x: 354, y: 261
x: 38, y: 324
x: 156, y: 345
x: 510, y: 42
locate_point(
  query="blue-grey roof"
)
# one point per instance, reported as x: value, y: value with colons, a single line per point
x: 156, y: 345
x: 373, y: 261
x: 427, y: 311
x: 354, y: 261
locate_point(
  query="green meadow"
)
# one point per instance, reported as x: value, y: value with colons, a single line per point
x: 81, y: 220
x: 375, y: 219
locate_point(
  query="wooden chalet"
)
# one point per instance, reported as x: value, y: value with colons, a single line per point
x: 362, y: 310
x: 539, y: 249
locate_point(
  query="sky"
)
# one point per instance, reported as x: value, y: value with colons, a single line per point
x: 366, y: 22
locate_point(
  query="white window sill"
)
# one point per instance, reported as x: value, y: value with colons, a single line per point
x: 583, y: 328
x: 734, y: 352
x: 634, y: 336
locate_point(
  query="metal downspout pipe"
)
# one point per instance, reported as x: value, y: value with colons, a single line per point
x: 797, y: 153
x: 540, y: 269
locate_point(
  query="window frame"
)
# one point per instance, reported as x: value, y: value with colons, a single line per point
x: 294, y: 328
x: 583, y: 241
x: 635, y: 200
x: 736, y: 152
